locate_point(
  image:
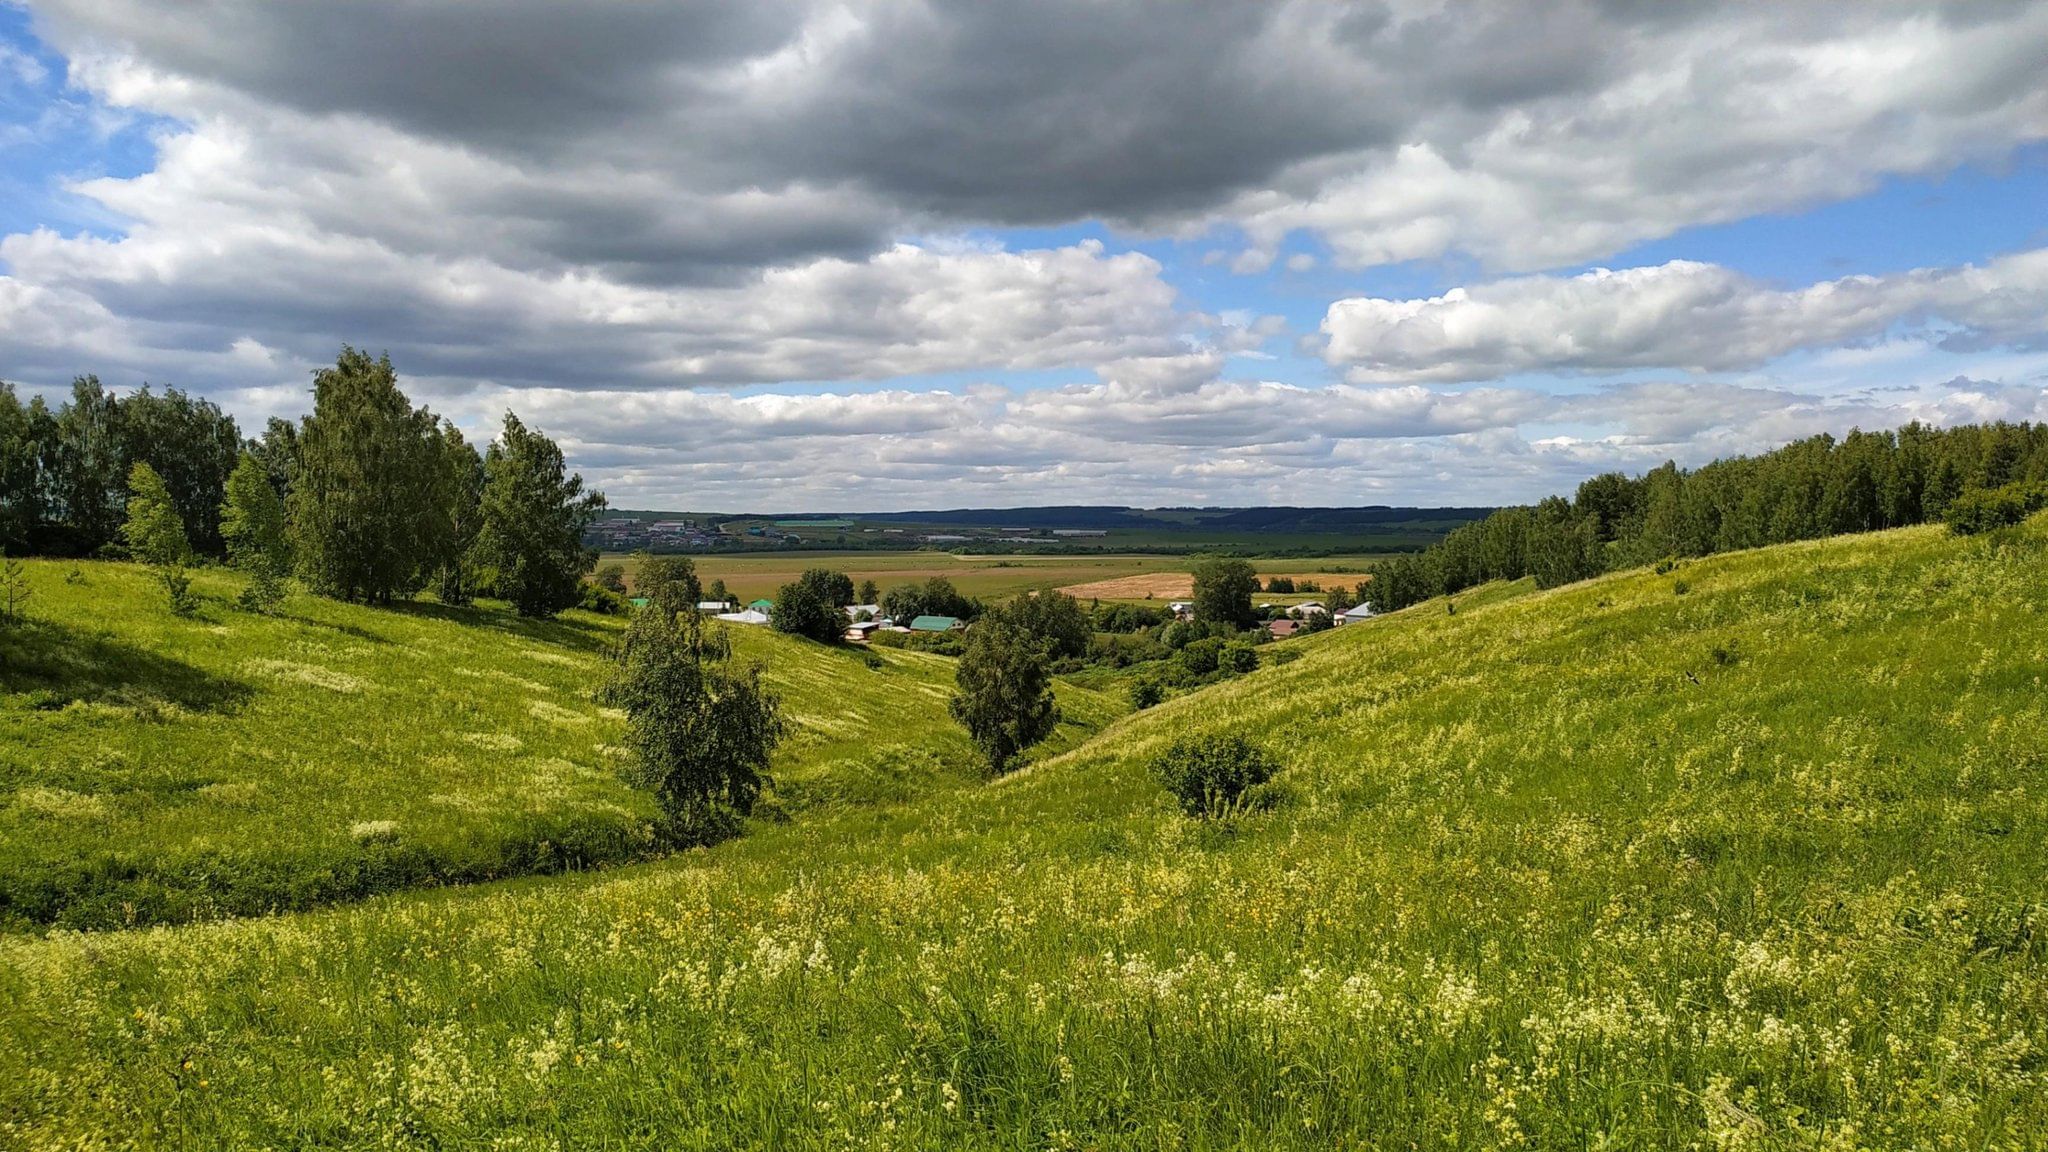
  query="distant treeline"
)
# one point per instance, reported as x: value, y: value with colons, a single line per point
x: 384, y: 498
x: 1811, y: 488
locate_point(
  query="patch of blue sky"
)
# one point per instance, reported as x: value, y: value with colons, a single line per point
x: 53, y: 135
x: 1964, y: 216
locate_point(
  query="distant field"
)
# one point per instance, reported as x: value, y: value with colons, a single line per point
x: 988, y: 577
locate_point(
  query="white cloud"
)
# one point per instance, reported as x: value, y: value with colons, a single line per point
x: 1685, y: 315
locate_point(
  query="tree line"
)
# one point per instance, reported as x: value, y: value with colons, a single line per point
x: 1819, y: 486
x: 376, y: 499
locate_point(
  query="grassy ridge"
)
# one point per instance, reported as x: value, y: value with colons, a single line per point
x: 1751, y: 854
x: 154, y: 769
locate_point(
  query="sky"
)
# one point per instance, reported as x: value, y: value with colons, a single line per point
x: 794, y: 255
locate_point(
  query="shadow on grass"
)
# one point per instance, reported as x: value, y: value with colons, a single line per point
x: 577, y: 635
x: 60, y: 665
x: 348, y: 630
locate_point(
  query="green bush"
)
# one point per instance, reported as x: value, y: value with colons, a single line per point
x: 1214, y: 775
x: 1237, y: 657
x: 1983, y: 509
x: 1202, y: 657
x: 1146, y: 694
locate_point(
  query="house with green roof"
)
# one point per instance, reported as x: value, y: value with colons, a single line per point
x: 935, y: 624
x: 762, y: 605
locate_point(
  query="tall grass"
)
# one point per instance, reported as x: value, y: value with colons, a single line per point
x: 1761, y: 865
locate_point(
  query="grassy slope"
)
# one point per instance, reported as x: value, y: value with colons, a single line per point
x: 157, y: 769
x: 1759, y: 864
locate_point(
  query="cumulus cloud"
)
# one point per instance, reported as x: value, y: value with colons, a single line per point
x: 1159, y: 433
x: 1685, y: 315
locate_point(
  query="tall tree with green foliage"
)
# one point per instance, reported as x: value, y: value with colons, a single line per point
x: 252, y: 526
x: 193, y: 445
x: 670, y: 583
x: 802, y: 609
x: 459, y: 500
x: 534, y: 512
x: 701, y: 731
x: 1055, y: 620
x: 365, y: 522
x: 1004, y: 696
x: 90, y: 468
x: 1223, y: 591
x: 21, y: 474
x: 155, y: 535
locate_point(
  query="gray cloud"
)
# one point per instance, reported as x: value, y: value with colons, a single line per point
x: 672, y: 141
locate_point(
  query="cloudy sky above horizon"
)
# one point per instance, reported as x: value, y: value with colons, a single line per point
x: 796, y: 255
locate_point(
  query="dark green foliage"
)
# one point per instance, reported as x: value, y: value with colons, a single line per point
x: 834, y: 588
x: 869, y: 593
x: 1983, y: 509
x: 1202, y: 656
x: 193, y: 446
x: 252, y: 527
x: 1813, y: 487
x: 1054, y: 620
x: 156, y: 536
x: 934, y: 597
x: 1223, y: 591
x: 365, y: 521
x: 1214, y: 775
x: 21, y: 489
x: 801, y: 609
x: 533, y: 513
x: 1145, y: 693
x: 1236, y: 658
x: 601, y: 600
x: 717, y: 591
x: 459, y: 480
x: 611, y: 578
x: 278, y: 451
x: 937, y: 643
x: 1129, y: 618
x: 1281, y: 584
x: 1005, y: 696
x: 701, y: 730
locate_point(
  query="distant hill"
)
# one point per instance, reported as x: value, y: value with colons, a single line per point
x: 1113, y: 517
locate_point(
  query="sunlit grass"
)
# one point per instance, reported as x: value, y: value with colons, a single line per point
x: 154, y: 768
x: 1762, y: 864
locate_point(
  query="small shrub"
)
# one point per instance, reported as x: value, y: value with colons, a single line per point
x: 1202, y: 656
x: 1285, y: 656
x: 1666, y: 566
x: 1214, y: 775
x: 1146, y: 694
x: 14, y: 591
x: 1237, y: 658
x: 1680, y: 588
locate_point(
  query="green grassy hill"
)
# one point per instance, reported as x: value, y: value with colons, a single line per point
x: 1748, y: 854
x: 156, y: 769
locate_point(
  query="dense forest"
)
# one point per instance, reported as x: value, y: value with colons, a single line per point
x: 1815, y: 487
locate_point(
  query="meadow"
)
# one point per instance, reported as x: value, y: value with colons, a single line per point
x: 1748, y: 853
x: 989, y: 577
x: 157, y: 769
